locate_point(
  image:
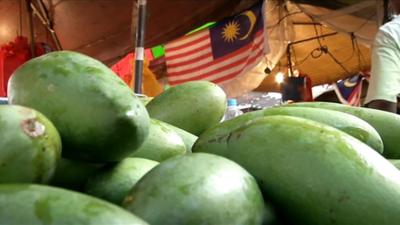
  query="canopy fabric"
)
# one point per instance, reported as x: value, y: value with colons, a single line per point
x: 105, y: 29
x: 347, y: 48
x: 362, y: 18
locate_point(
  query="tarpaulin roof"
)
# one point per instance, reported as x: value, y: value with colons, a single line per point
x: 342, y: 50
x: 103, y: 29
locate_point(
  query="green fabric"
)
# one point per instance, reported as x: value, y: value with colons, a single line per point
x: 158, y: 51
x: 207, y: 25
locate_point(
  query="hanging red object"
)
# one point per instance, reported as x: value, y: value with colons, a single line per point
x: 14, y: 54
x: 124, y: 69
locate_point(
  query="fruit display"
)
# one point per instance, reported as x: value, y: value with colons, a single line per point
x: 113, y: 182
x: 197, y: 106
x: 387, y: 124
x: 395, y: 162
x: 187, y: 138
x: 197, y: 189
x: 78, y: 146
x: 29, y: 145
x: 314, y: 173
x: 98, y: 116
x: 38, y: 204
x: 161, y: 144
x: 349, y: 124
x: 73, y: 174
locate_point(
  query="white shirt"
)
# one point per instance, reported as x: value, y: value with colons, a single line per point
x: 384, y: 83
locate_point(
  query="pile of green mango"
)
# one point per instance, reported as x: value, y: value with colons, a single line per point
x: 77, y: 146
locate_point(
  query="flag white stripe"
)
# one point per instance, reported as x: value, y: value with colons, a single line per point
x: 217, y: 66
x: 198, y: 54
x: 196, y: 64
x: 206, y: 42
x: 244, y: 71
x: 242, y: 67
x: 187, y: 39
x: 189, y: 57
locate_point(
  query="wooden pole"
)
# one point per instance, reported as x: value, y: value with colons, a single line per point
x: 43, y: 15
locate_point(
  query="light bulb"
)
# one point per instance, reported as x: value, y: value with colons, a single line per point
x: 279, y: 78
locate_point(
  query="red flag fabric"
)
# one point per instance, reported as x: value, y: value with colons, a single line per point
x: 220, y: 53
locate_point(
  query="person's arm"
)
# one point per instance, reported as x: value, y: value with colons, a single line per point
x: 384, y: 83
x: 383, y: 105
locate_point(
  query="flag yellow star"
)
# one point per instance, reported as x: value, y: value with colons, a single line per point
x: 230, y: 31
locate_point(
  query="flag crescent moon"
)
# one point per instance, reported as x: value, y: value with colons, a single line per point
x: 253, y: 19
x: 348, y: 83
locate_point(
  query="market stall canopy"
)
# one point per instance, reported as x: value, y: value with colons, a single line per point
x: 105, y: 29
x: 343, y: 46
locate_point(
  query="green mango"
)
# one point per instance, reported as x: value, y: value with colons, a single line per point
x: 347, y: 123
x: 197, y: 189
x: 314, y: 173
x: 30, y: 146
x: 44, y: 205
x: 113, y: 182
x: 71, y: 174
x: 193, y: 106
x: 187, y: 138
x: 161, y: 143
x: 395, y: 162
x: 98, y: 116
x: 387, y: 124
x: 144, y: 98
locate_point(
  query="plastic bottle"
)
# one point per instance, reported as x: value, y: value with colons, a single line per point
x: 232, y: 110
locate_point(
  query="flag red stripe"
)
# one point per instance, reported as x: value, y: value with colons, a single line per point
x: 355, y: 97
x: 223, y: 78
x: 187, y: 38
x: 242, y: 61
x: 227, y: 57
x: 190, y: 50
x: 189, y: 44
x: 183, y: 63
x: 188, y: 53
x: 233, y: 75
x: 355, y: 91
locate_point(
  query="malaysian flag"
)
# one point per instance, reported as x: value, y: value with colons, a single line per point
x: 349, y: 90
x: 218, y: 54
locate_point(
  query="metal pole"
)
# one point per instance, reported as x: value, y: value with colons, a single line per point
x: 31, y: 29
x: 139, y: 50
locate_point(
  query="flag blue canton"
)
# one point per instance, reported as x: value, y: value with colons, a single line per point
x: 236, y: 32
x: 347, y: 86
